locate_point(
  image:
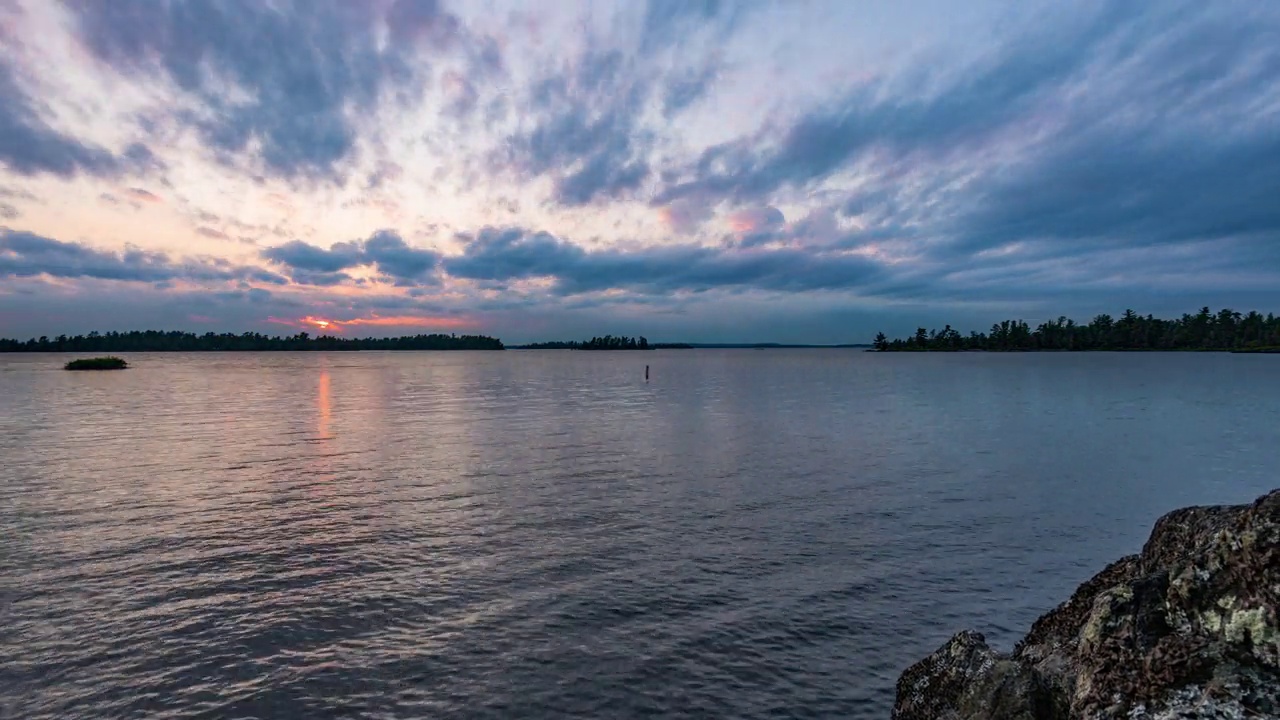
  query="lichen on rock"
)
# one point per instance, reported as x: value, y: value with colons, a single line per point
x: 1185, y: 629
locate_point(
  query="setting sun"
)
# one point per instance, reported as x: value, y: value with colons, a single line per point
x: 320, y: 323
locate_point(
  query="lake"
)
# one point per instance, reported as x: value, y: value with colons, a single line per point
x: 543, y: 534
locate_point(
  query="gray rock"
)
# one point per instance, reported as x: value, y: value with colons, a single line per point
x: 1186, y: 629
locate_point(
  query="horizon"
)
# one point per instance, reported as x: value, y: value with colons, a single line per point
x: 697, y: 172
x: 336, y: 331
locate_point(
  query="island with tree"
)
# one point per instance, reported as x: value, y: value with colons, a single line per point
x: 178, y: 341
x: 606, y: 342
x: 1226, y: 330
x: 97, y: 363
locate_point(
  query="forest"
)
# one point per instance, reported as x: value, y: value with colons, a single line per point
x: 178, y: 341
x: 1206, y: 330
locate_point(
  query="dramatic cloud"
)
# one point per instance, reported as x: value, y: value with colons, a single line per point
x: 25, y: 254
x: 384, y: 250
x: 674, y: 162
x: 515, y: 254
x: 584, y: 135
x: 29, y: 145
x: 289, y: 77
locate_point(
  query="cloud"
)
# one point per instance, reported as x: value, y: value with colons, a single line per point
x: 1136, y: 191
x: 591, y: 123
x: 335, y: 325
x: 1137, y: 126
x: 460, y: 93
x: 288, y: 80
x: 583, y: 133
x: 684, y: 215
x: 25, y: 254
x: 1114, y: 150
x: 301, y: 256
x: 143, y: 195
x: 386, y: 172
x: 392, y: 256
x: 756, y: 219
x: 667, y: 22
x: 18, y: 194
x: 687, y: 87
x: 385, y: 250
x: 211, y: 233
x: 972, y: 103
x: 30, y: 146
x: 505, y: 254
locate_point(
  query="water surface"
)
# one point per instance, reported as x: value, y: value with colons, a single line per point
x: 772, y: 533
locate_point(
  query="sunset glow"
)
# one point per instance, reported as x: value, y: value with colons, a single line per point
x: 406, y: 322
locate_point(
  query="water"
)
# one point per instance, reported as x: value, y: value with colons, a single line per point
x: 543, y: 534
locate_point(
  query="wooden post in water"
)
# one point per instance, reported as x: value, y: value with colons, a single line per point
x: 646, y: 373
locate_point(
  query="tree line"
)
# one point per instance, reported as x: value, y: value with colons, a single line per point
x: 1206, y: 330
x: 608, y: 342
x: 179, y: 341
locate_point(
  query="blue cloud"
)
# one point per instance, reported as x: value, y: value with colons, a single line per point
x: 829, y: 138
x: 585, y: 133
x: 25, y: 254
x: 301, y: 256
x: 668, y: 22
x: 30, y: 146
x: 1138, y: 126
x: 306, y: 66
x: 514, y: 254
x: 589, y: 128
x: 392, y: 256
x: 385, y: 250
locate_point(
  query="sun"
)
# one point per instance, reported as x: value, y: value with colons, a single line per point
x: 321, y: 323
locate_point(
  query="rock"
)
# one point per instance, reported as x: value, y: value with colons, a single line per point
x: 1186, y: 629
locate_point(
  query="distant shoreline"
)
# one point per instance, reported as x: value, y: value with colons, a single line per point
x: 1206, y: 331
x: 706, y: 346
x: 181, y: 341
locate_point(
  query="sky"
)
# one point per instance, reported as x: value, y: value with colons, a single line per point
x: 687, y: 170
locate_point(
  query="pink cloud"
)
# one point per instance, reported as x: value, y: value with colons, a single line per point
x: 143, y: 195
x: 756, y: 219
x: 331, y: 325
x: 683, y: 216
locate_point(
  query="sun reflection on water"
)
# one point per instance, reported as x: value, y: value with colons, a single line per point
x: 324, y: 406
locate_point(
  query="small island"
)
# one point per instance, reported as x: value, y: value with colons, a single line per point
x: 1225, y: 330
x: 607, y: 342
x: 98, y: 363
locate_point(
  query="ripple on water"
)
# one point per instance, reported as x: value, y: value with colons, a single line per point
x: 766, y: 534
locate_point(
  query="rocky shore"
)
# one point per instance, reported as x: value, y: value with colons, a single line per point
x: 1185, y: 629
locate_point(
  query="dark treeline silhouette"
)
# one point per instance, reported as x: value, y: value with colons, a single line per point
x: 608, y: 342
x: 178, y: 341
x: 553, y: 345
x: 1206, y: 330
